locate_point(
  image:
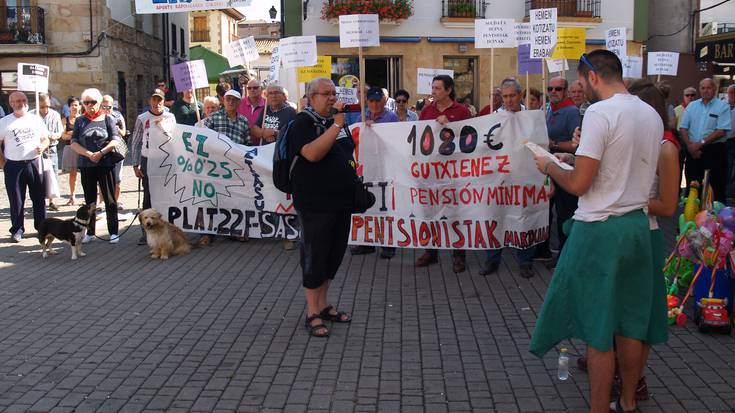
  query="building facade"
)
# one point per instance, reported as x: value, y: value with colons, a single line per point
x: 94, y: 43
x: 214, y: 29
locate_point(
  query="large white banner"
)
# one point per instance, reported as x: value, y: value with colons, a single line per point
x: 466, y: 185
x: 175, y: 6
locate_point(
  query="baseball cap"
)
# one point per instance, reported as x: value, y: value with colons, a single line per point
x: 233, y: 92
x: 159, y: 93
x: 375, y: 93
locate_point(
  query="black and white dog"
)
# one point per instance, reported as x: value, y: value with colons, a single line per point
x: 69, y: 230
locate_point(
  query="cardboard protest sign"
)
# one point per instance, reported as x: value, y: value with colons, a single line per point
x: 523, y: 33
x: 663, y: 63
x: 33, y: 77
x: 525, y: 63
x: 190, y: 75
x: 426, y: 76
x: 347, y: 95
x: 297, y: 51
x: 359, y: 30
x: 543, y: 32
x: 556, y: 65
x: 176, y: 6
x: 570, y: 43
x: 465, y: 185
x: 323, y: 68
x: 495, y: 33
x: 616, y: 41
x: 242, y: 51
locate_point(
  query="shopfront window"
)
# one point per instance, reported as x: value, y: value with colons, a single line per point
x: 379, y: 71
x: 465, y: 77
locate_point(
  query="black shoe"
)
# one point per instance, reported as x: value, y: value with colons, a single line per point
x: 489, y: 268
x: 543, y: 255
x: 526, y: 271
x: 142, y: 240
x: 387, y: 252
x: 362, y: 250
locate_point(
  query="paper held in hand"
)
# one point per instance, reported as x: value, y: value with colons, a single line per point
x: 539, y: 151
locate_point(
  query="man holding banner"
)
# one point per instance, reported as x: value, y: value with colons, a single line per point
x: 603, y: 287
x: 443, y: 109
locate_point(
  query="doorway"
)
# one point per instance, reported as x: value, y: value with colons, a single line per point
x: 383, y: 72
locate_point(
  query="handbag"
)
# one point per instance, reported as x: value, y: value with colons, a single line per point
x: 364, y: 199
x: 118, y: 152
x: 49, y: 178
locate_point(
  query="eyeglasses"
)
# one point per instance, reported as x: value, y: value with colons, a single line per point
x: 253, y: 87
x: 89, y: 102
x: 401, y: 100
x: 555, y: 88
x: 690, y: 95
x: 584, y: 59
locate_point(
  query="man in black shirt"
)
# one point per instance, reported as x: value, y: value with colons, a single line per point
x: 323, y: 191
x: 185, y: 110
x: 277, y: 115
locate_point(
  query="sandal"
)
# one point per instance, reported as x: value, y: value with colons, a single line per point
x: 616, y: 407
x: 338, y: 317
x: 315, y: 328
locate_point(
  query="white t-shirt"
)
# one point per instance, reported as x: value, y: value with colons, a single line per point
x: 22, y: 136
x: 624, y: 134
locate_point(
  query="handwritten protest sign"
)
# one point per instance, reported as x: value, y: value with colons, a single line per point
x: 616, y: 41
x: 323, y: 68
x: 297, y: 51
x: 543, y: 32
x: 633, y: 67
x: 347, y: 95
x: 274, y: 71
x: 359, y: 30
x: 190, y: 75
x: 495, y: 33
x: 570, y: 43
x: 523, y: 33
x: 663, y: 63
x: 242, y: 51
x: 33, y: 77
x: 465, y: 185
x: 425, y: 77
x: 176, y: 6
x: 554, y: 65
x: 525, y: 63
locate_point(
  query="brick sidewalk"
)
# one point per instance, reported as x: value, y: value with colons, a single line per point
x: 221, y: 329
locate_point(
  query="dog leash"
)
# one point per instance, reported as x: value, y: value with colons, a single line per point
x: 132, y: 221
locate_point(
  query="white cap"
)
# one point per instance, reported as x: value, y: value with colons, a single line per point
x: 233, y: 92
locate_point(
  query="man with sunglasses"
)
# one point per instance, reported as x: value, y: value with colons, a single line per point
x: 252, y: 105
x: 690, y: 94
x: 604, y: 288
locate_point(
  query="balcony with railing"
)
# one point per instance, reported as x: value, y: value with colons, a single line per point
x: 462, y: 13
x: 22, y: 25
x: 569, y: 10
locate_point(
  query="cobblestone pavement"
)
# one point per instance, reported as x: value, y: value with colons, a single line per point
x: 221, y: 329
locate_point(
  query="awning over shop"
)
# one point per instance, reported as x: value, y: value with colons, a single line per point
x: 213, y: 61
x: 718, y: 50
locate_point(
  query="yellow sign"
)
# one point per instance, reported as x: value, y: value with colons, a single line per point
x: 323, y: 68
x: 570, y: 43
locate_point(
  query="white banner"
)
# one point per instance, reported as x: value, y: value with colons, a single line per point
x: 359, y: 30
x: 543, y: 32
x: 663, y: 63
x: 33, y: 77
x: 204, y: 183
x: 176, y: 6
x: 616, y: 41
x: 466, y: 185
x: 242, y: 51
x: 425, y: 76
x: 297, y: 51
x: 495, y: 33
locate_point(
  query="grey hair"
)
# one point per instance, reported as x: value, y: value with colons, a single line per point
x: 92, y: 93
x: 731, y: 87
x: 44, y: 97
x: 313, y: 87
x: 512, y: 83
x: 275, y: 86
x: 210, y: 99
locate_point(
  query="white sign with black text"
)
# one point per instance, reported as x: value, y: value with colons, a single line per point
x: 616, y: 40
x: 242, y: 51
x: 297, y: 51
x: 663, y: 63
x: 543, y: 32
x: 33, y: 77
x: 495, y: 33
x: 359, y: 30
x: 426, y: 76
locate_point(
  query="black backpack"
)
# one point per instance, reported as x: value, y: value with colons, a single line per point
x: 282, y: 164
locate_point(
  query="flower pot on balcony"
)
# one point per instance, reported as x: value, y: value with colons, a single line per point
x: 7, y: 37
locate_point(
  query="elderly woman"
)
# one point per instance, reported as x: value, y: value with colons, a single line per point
x: 94, y: 136
x: 211, y: 105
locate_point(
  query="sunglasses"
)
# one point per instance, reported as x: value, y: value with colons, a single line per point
x: 554, y: 88
x: 90, y: 102
x: 584, y: 59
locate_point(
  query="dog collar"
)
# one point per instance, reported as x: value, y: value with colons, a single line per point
x: 80, y: 222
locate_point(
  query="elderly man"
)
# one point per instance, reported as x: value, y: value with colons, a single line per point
x: 497, y: 99
x: 704, y: 130
x: 252, y: 106
x: 185, y: 110
x: 511, y: 91
x: 24, y: 137
x: 690, y: 94
x: 52, y: 120
x: 277, y: 115
x: 323, y: 187
x: 576, y: 93
x: 229, y: 122
x: 604, y: 289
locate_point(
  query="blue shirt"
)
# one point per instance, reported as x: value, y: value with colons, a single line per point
x: 701, y: 120
x: 561, y: 123
x: 386, y: 116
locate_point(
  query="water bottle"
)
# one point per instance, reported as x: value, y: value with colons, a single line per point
x: 563, y: 364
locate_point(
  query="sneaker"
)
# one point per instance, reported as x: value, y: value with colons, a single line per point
x: 545, y: 255
x: 52, y: 207
x: 17, y: 236
x: 142, y: 240
x: 87, y: 239
x: 114, y: 239
x: 489, y: 268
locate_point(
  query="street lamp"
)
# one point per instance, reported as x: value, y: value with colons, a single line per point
x: 272, y: 12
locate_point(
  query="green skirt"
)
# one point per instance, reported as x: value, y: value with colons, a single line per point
x: 604, y: 285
